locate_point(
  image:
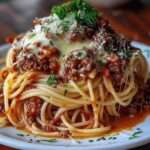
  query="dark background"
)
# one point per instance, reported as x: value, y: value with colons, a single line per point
x: 132, y: 20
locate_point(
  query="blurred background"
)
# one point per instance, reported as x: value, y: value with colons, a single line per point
x: 129, y: 17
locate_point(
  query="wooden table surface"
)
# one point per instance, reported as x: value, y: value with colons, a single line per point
x: 132, y: 20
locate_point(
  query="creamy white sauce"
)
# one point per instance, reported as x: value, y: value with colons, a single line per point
x: 66, y: 46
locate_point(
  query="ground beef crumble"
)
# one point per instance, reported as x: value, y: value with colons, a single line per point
x: 79, y: 64
x: 46, y: 61
x: 33, y: 108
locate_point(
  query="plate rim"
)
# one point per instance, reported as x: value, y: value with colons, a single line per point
x: 8, y: 141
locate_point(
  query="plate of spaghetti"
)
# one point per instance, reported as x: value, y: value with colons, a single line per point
x: 72, y: 82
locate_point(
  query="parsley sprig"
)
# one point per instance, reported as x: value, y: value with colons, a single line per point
x: 82, y: 11
x: 52, y: 80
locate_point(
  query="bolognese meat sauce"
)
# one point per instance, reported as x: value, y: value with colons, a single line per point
x: 32, y: 108
x: 41, y: 50
x: 45, y: 61
x: 79, y: 64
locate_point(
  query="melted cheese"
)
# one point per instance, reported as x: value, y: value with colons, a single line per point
x: 30, y: 40
x: 66, y: 47
x: 51, y: 24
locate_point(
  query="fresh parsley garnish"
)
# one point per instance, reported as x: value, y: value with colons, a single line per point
x: 65, y: 25
x: 83, y: 12
x: 52, y: 80
x: 87, y: 17
x: 61, y: 10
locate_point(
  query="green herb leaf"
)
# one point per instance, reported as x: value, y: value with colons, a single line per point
x: 65, y: 25
x: 51, y: 43
x: 61, y: 11
x: 84, y: 13
x: 80, y: 54
x: 20, y: 134
x: 49, y: 140
x: 135, y: 135
x: 87, y: 17
x: 52, y: 80
x: 91, y: 140
x: 68, y: 21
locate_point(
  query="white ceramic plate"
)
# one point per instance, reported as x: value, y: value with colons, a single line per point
x: 124, y: 140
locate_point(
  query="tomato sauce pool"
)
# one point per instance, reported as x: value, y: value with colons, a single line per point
x: 128, y: 122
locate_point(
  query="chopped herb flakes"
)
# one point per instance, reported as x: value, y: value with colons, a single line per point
x: 20, y: 134
x: 52, y: 80
x: 91, y: 140
x: 61, y: 10
x: 80, y: 54
x: 51, y: 43
x: 48, y: 140
x: 135, y: 135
